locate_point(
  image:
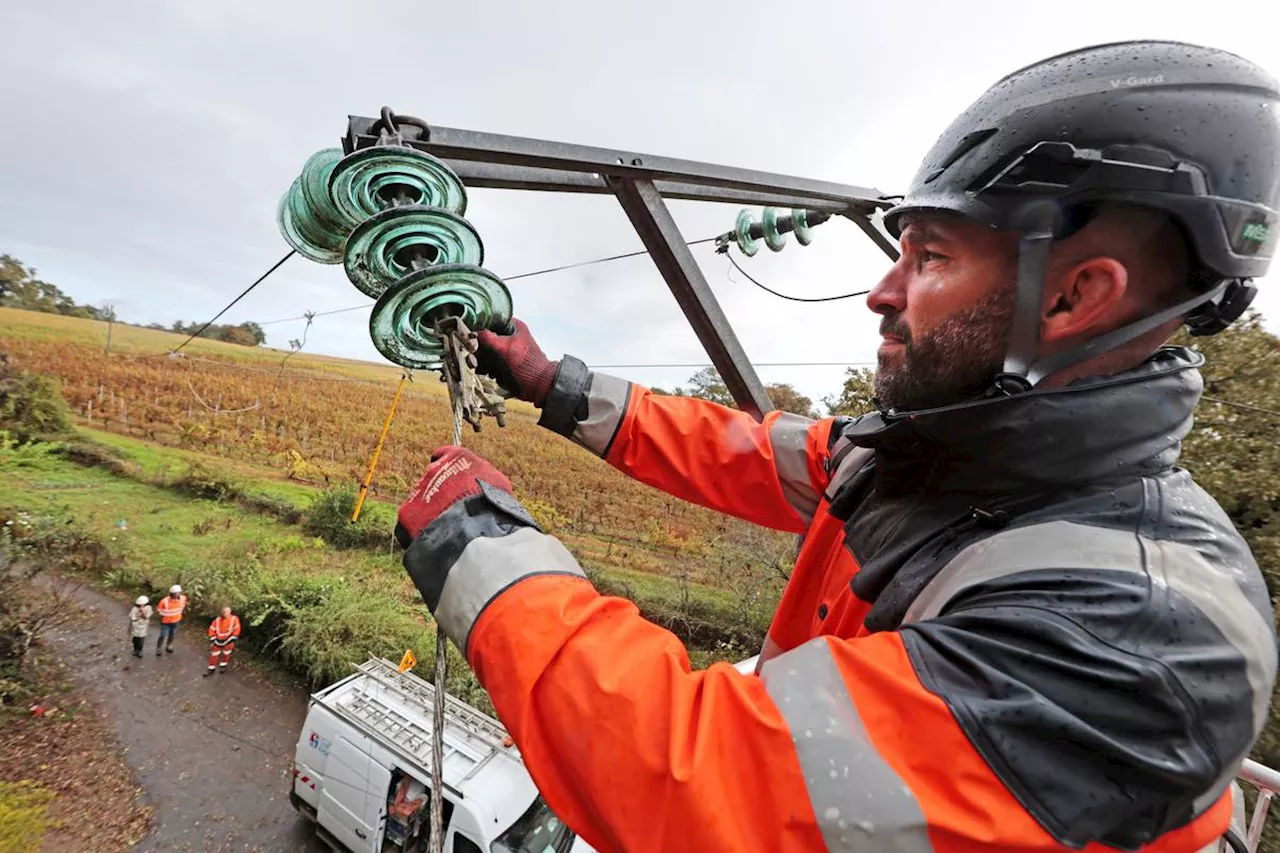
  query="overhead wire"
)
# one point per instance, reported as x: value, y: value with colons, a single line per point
x: 768, y: 289
x: 311, y: 315
x: 242, y: 295
x: 546, y: 271
x: 1234, y: 404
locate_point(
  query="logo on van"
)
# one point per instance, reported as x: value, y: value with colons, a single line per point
x: 320, y: 744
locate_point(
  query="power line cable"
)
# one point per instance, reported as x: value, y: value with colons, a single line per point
x: 242, y: 295
x: 546, y: 271
x: 1241, y: 405
x: 785, y: 296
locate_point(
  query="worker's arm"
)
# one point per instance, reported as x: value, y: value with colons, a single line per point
x: 1021, y: 707
x: 771, y: 473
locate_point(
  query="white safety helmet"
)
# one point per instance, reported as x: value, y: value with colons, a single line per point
x: 176, y: 589
x: 142, y: 599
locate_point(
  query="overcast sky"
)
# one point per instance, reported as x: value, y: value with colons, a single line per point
x: 146, y: 144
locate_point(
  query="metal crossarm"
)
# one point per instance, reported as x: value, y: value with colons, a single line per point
x: 642, y: 183
x: 512, y: 161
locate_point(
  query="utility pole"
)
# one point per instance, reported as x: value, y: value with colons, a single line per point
x: 109, y: 314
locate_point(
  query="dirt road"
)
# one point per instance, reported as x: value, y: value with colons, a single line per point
x: 213, y: 755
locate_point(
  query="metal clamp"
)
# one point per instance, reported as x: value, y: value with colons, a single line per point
x: 459, y: 373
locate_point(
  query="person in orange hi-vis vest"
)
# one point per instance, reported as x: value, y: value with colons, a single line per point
x: 1014, y: 622
x: 223, y: 633
x: 170, y: 608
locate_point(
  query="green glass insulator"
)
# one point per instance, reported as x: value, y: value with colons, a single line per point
x: 384, y: 247
x: 402, y: 325
x: 774, y: 239
x: 307, y: 218
x: 803, y: 230
x: 373, y: 179
x: 742, y: 233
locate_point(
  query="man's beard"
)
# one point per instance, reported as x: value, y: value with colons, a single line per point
x: 955, y: 361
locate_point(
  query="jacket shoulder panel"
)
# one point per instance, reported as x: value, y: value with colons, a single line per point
x: 1151, y: 670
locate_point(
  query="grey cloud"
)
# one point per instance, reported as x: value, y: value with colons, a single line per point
x: 146, y: 144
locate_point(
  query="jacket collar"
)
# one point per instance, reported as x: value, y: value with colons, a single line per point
x: 1114, y: 427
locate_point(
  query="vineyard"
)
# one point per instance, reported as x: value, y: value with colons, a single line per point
x: 316, y: 420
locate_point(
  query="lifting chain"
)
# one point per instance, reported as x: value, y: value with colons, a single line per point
x: 393, y: 217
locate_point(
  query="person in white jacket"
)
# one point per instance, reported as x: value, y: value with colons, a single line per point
x: 139, y: 622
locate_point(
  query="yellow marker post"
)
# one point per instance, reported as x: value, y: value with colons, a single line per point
x: 408, y: 662
x: 373, y: 463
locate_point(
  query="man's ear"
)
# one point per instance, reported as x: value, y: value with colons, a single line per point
x: 1083, y: 299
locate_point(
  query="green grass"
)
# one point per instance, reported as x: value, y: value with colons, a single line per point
x: 317, y: 608
x: 692, y: 609
x: 157, y: 462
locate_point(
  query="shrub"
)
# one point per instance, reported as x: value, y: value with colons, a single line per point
x: 31, y: 405
x: 325, y: 638
x: 200, y: 481
x: 330, y: 518
x: 278, y: 508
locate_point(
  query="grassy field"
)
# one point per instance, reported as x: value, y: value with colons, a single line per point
x: 234, y: 504
x: 252, y: 544
x: 315, y: 420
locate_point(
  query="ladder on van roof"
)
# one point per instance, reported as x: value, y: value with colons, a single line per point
x: 456, y: 711
x: 400, y: 732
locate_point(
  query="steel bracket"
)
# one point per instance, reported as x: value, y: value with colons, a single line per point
x: 642, y: 183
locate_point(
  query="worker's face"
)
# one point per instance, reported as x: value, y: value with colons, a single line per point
x: 947, y: 308
x: 226, y: 611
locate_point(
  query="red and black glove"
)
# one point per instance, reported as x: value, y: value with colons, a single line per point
x: 517, y: 363
x: 461, y: 497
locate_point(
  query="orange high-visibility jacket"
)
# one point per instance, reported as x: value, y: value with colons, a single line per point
x: 171, y: 610
x: 224, y: 630
x: 1013, y: 626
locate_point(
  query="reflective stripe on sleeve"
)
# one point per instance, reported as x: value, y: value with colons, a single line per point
x: 788, y: 435
x: 487, y: 567
x: 607, y: 398
x: 860, y: 802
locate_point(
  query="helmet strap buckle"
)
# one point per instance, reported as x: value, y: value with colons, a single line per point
x: 1212, y: 317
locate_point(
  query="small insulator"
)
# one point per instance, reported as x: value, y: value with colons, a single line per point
x: 773, y: 238
x: 800, y: 225
x: 747, y: 244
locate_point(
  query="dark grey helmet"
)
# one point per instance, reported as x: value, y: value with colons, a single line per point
x: 1189, y: 130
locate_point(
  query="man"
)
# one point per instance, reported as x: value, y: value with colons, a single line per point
x: 170, y: 609
x: 223, y: 633
x: 1014, y: 623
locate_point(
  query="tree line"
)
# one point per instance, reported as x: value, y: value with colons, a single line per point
x: 854, y: 397
x: 21, y: 287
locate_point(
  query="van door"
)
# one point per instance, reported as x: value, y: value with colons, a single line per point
x: 355, y: 789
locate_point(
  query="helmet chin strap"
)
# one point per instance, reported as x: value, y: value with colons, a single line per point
x: 1022, y: 372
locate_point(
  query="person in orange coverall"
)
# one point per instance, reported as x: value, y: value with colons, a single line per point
x: 223, y: 633
x: 1014, y: 624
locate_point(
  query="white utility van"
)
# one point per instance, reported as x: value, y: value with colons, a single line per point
x: 362, y: 773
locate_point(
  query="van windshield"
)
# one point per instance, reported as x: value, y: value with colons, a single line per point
x: 538, y: 830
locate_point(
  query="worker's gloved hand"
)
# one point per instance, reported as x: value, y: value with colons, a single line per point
x: 454, y: 475
x: 459, y: 499
x: 517, y: 363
